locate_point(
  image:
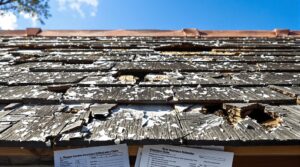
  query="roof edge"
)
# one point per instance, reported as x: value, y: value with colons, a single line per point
x: 187, y: 32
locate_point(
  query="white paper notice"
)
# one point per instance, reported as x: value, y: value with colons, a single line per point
x: 103, y: 156
x: 138, y: 157
x: 174, y: 156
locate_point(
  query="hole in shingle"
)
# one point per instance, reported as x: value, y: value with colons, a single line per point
x: 134, y: 76
x: 259, y: 114
x: 59, y: 88
x: 250, y: 127
x: 184, y: 47
x: 238, y: 111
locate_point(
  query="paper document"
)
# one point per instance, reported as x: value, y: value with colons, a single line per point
x: 138, y: 157
x: 103, y: 156
x: 174, y: 156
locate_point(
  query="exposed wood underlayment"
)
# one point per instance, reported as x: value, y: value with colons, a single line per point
x: 80, y: 91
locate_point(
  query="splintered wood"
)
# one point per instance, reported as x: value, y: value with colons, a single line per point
x: 83, y: 91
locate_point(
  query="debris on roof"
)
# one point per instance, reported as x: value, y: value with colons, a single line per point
x: 158, y: 87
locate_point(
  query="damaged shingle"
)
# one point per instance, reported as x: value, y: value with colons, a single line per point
x: 101, y: 110
x: 64, y: 91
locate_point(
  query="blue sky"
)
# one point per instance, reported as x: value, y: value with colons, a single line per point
x: 171, y: 14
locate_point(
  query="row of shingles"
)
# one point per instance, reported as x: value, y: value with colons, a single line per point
x: 259, y: 52
x: 107, y: 42
x: 77, y: 56
x: 229, y: 94
x: 252, y: 43
x: 207, y: 67
x: 128, y: 125
x: 90, y: 57
x: 238, y: 52
x: 28, y: 94
x: 162, y: 95
x: 71, y: 43
x: 31, y: 43
x: 204, y: 79
x: 119, y: 94
x: 183, y: 94
x: 221, y: 57
x: 210, y: 79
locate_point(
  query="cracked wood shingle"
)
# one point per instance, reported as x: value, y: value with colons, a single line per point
x: 31, y: 94
x: 219, y: 70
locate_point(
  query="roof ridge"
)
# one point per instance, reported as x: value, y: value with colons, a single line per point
x: 186, y: 32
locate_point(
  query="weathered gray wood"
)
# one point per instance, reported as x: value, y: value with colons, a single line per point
x: 104, y: 80
x: 265, y: 95
x: 37, y: 129
x: 119, y: 94
x: 291, y: 91
x: 208, y: 95
x: 101, y: 66
x: 264, y: 78
x: 37, y: 110
x: 102, y: 110
x: 131, y: 70
x: 217, y: 57
x: 4, y: 126
x: 46, y: 78
x: 31, y: 94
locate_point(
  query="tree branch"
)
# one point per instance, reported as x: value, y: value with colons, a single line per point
x: 3, y: 2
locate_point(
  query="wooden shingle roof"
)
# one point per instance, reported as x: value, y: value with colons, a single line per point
x: 62, y: 88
